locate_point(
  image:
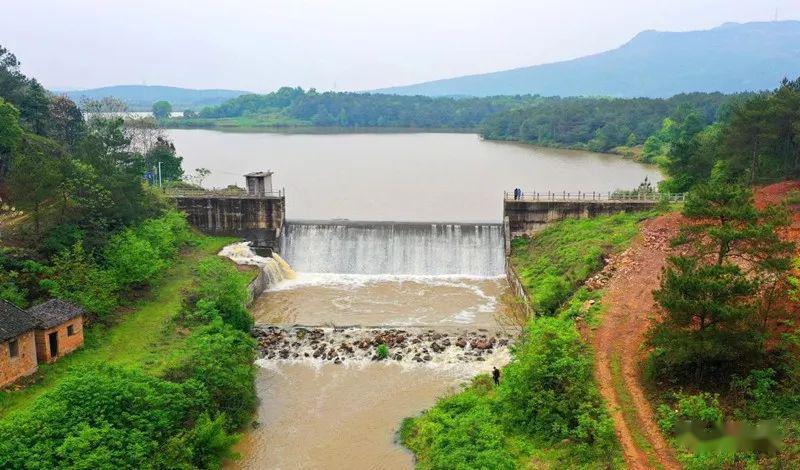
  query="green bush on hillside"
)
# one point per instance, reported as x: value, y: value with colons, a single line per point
x: 133, y: 257
x: 100, y: 417
x: 132, y: 260
x: 548, y: 390
x: 74, y: 276
x: 221, y: 358
x: 224, y: 289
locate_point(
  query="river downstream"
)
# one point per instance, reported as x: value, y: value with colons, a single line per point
x: 430, y: 288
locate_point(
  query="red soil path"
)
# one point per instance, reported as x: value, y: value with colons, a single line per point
x: 629, y: 307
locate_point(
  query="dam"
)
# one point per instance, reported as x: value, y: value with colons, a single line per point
x: 334, y: 291
x: 395, y: 239
x: 394, y: 248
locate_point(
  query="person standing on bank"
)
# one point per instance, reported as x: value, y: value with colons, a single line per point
x: 496, y: 376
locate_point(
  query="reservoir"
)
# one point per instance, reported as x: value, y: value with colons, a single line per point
x: 412, y: 177
x: 393, y: 240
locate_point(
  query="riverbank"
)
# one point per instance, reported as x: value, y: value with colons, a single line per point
x: 547, y: 410
x: 295, y: 126
x: 166, y: 383
x: 143, y: 336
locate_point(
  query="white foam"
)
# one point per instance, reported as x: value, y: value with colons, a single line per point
x: 275, y: 268
x: 305, y: 279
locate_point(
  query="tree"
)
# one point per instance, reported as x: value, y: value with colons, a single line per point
x: 35, y: 175
x: 162, y: 109
x: 66, y: 121
x: 714, y: 294
x: 27, y: 95
x: 74, y: 276
x: 164, y: 152
x: 10, y: 134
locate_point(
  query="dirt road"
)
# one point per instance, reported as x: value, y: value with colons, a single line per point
x: 629, y: 306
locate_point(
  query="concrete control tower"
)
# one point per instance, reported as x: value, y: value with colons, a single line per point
x: 259, y: 183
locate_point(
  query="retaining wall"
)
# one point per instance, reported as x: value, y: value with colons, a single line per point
x: 254, y: 218
x: 528, y: 217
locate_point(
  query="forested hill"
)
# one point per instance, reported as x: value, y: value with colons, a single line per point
x: 599, y: 124
x: 728, y: 59
x: 142, y: 97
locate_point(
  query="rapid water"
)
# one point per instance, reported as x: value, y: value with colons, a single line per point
x: 274, y: 267
x: 391, y: 248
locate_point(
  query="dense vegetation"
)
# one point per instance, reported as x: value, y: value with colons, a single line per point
x: 590, y: 123
x: 755, y: 141
x: 82, y: 223
x: 596, y: 123
x: 547, y: 408
x: 114, y: 417
x: 727, y: 332
x: 295, y: 106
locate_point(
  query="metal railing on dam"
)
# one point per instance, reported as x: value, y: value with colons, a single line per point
x: 594, y: 196
x: 237, y: 193
x: 527, y: 212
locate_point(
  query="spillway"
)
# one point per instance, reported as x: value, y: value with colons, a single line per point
x: 394, y: 248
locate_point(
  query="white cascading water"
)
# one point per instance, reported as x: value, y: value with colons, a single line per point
x: 395, y: 248
x: 274, y: 267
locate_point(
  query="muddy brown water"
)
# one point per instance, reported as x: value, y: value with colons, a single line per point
x: 416, y: 301
x: 320, y: 415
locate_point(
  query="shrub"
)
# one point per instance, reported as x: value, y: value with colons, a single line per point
x: 60, y: 238
x: 75, y: 277
x: 166, y: 234
x: 219, y: 282
x: 382, y: 351
x: 548, y: 389
x: 99, y: 417
x: 702, y: 408
x: 221, y: 359
x: 460, y: 432
x: 132, y: 260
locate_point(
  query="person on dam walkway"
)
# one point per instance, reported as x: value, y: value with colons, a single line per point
x: 496, y: 376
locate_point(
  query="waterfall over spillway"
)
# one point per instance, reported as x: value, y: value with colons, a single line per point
x: 394, y: 248
x: 274, y: 267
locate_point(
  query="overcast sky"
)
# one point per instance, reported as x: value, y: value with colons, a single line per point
x: 342, y: 44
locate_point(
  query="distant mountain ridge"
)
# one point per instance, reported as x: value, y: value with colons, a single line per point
x: 730, y: 58
x: 142, y: 97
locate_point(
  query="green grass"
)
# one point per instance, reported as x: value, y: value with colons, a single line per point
x: 553, y: 264
x: 143, y: 335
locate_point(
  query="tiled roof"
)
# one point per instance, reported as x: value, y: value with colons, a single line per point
x: 54, y: 312
x: 13, y: 321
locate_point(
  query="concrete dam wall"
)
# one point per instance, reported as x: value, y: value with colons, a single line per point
x: 258, y: 219
x: 394, y: 248
x: 525, y: 217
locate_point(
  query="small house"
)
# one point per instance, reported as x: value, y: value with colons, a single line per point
x: 59, y: 328
x: 17, y: 344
